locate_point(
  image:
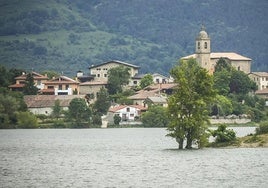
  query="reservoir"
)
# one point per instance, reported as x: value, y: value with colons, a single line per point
x: 125, y: 157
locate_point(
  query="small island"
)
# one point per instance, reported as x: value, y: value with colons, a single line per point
x: 226, y: 137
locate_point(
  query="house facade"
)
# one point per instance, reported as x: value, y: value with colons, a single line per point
x: 39, y: 80
x: 154, y: 91
x: 91, y: 89
x: 126, y: 112
x: 208, y: 60
x: 61, y: 85
x: 100, y: 72
x: 260, y: 78
x: 158, y: 78
x: 43, y: 104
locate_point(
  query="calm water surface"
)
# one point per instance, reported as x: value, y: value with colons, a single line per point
x: 133, y: 157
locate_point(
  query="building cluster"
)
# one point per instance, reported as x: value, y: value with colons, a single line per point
x: 64, y: 89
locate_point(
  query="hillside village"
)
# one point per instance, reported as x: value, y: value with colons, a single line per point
x: 65, y: 89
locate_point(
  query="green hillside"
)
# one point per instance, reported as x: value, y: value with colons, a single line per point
x: 67, y: 36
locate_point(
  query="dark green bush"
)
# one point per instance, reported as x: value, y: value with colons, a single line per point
x: 223, y: 134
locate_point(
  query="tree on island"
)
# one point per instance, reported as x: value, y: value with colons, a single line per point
x: 188, y: 105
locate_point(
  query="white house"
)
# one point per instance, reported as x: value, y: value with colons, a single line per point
x: 126, y: 112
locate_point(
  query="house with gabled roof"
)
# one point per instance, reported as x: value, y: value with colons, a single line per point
x: 159, y: 78
x: 100, y: 71
x: 43, y: 104
x: 128, y: 113
x: 39, y: 80
x: 154, y: 90
x: 61, y: 85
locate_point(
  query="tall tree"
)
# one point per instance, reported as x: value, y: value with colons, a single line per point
x: 29, y: 87
x: 117, y: 78
x: 102, y: 103
x: 187, y: 106
x: 79, y: 112
x: 56, y: 109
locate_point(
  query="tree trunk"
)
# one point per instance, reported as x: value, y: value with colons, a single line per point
x: 180, y: 142
x: 189, y: 141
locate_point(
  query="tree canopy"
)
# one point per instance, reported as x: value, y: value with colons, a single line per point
x: 187, y: 106
x: 117, y: 78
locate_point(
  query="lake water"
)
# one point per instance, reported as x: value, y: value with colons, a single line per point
x: 131, y: 157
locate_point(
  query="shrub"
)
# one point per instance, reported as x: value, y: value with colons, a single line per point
x: 223, y: 134
x: 26, y: 120
x: 263, y: 128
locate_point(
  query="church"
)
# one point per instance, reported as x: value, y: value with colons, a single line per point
x: 208, y: 59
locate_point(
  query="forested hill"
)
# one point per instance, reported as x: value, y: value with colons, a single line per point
x: 67, y: 36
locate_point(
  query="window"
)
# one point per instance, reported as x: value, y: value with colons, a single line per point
x: 157, y: 80
x: 238, y: 68
x: 98, y: 75
x: 128, y: 109
x: 60, y: 87
x: 135, y: 82
x: 131, y: 115
x: 105, y: 75
x: 198, y: 45
x: 67, y: 86
x: 50, y: 87
x: 206, y: 45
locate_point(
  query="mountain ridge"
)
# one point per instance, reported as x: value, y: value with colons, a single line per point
x: 67, y: 36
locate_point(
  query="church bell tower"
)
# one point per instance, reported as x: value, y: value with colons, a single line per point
x: 202, y: 49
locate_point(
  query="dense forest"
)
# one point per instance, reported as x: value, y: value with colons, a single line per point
x: 67, y: 36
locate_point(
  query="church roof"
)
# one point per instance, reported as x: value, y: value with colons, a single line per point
x: 217, y: 55
x: 229, y: 55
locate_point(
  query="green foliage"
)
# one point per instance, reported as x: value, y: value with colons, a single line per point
x: 96, y: 120
x: 117, y: 78
x: 29, y: 87
x: 117, y: 119
x: 59, y: 123
x: 155, y: 116
x: 26, y: 120
x: 222, y: 65
x: 222, y: 106
x: 223, y: 134
x: 102, y: 103
x: 56, y: 109
x: 50, y: 74
x: 79, y: 113
x: 240, y: 83
x: 10, y: 103
x: 262, y: 128
x: 146, y: 81
x: 187, y: 105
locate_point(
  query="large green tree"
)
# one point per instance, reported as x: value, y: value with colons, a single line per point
x: 29, y: 87
x: 79, y: 113
x: 102, y: 103
x: 156, y: 116
x: 117, y: 78
x: 187, y: 106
